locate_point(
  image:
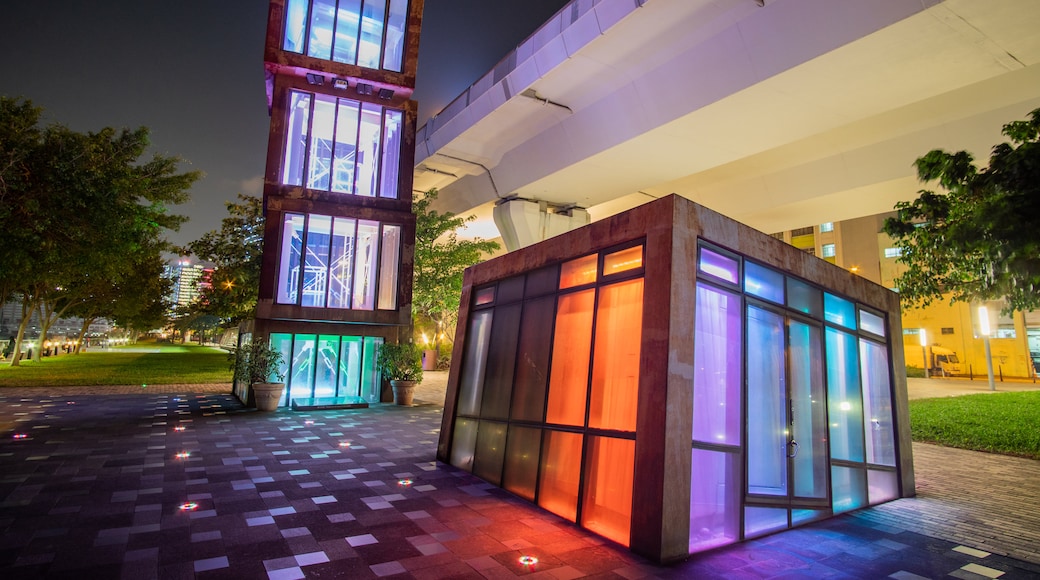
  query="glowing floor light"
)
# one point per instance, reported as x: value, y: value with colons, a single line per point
x: 528, y: 560
x: 179, y: 428
x: 183, y: 455
x: 188, y: 506
x: 20, y: 436
x: 344, y: 443
x: 404, y: 482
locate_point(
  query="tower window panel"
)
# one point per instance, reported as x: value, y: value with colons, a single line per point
x: 346, y: 146
x: 316, y: 261
x: 295, y: 25
x: 323, y: 20
x: 326, y: 366
x: 347, y: 25
x: 297, y: 134
x: 391, y: 159
x: 396, y: 25
x: 373, y: 15
x: 341, y: 262
x: 607, y: 501
x: 390, y: 251
x: 615, y: 369
x: 320, y: 153
x: 349, y: 384
x: 302, y: 370
x: 365, y: 265
x: 289, y: 265
x: 572, y: 344
x: 368, y: 149
x: 560, y: 473
x: 371, y: 378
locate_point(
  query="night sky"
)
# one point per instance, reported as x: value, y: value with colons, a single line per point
x: 192, y: 71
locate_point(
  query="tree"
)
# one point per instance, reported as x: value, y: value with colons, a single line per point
x: 440, y: 260
x: 235, y: 251
x: 980, y: 240
x: 81, y: 210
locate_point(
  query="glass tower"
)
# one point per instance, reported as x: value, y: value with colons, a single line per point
x: 339, y: 235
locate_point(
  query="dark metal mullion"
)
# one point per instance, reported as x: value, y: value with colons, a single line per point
x: 379, y: 267
x: 307, y: 29
x: 360, y: 31
x: 382, y: 37
x: 303, y: 259
x: 305, y: 178
x: 332, y: 156
x: 382, y: 154
x: 288, y: 384
x: 332, y: 46
x: 357, y: 148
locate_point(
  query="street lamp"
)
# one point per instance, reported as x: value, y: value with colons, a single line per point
x: 984, y: 331
x: 923, y: 335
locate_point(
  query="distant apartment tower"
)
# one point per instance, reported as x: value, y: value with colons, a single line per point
x: 336, y: 277
x: 187, y: 279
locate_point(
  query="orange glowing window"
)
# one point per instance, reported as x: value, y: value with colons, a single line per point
x: 569, y: 370
x: 607, y: 500
x: 615, y: 368
x: 623, y: 260
x: 579, y: 272
x: 561, y: 469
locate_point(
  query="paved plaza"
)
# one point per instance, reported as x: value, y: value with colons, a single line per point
x: 183, y: 482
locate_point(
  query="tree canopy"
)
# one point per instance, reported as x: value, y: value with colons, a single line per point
x: 79, y: 211
x: 440, y: 260
x: 235, y: 251
x: 979, y: 238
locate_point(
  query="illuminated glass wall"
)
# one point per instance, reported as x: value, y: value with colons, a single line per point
x: 548, y: 390
x: 792, y: 403
x: 338, y: 262
x: 367, y: 33
x: 321, y: 365
x: 342, y: 145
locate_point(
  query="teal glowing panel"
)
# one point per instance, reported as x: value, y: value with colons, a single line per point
x: 844, y: 402
x: 839, y: 311
x: 302, y: 371
x: 371, y: 378
x: 848, y: 488
x: 804, y: 298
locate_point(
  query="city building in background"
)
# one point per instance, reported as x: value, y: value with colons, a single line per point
x: 609, y: 350
x: 336, y: 276
x: 188, y: 281
x: 953, y: 342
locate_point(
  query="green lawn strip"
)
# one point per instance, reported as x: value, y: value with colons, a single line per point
x: 192, y: 365
x: 1006, y: 423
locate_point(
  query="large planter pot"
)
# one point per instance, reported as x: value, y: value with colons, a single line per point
x: 268, y: 395
x: 429, y: 360
x: 404, y: 391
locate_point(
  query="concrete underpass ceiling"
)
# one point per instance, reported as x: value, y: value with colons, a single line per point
x: 799, y: 112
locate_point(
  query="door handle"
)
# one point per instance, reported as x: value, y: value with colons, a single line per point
x: 792, y: 448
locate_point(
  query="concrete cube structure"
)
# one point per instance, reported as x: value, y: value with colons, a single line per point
x: 675, y: 381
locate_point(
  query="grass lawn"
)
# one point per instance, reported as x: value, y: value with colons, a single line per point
x: 146, y: 363
x: 1007, y: 423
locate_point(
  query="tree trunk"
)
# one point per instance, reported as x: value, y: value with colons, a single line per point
x: 17, y: 353
x: 82, y: 332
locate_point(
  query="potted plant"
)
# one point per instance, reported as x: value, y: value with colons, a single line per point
x: 401, y: 364
x: 258, y: 364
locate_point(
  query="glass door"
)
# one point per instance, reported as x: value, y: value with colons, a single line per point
x: 786, y: 422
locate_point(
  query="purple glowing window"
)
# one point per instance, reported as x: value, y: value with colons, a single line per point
x: 719, y: 266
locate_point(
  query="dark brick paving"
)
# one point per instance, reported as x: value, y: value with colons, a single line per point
x: 95, y: 489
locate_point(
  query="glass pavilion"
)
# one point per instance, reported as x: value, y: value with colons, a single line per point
x: 675, y: 381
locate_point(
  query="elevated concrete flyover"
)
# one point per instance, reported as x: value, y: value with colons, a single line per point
x: 782, y: 115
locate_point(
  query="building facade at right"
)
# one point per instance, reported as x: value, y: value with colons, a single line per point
x: 748, y: 384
